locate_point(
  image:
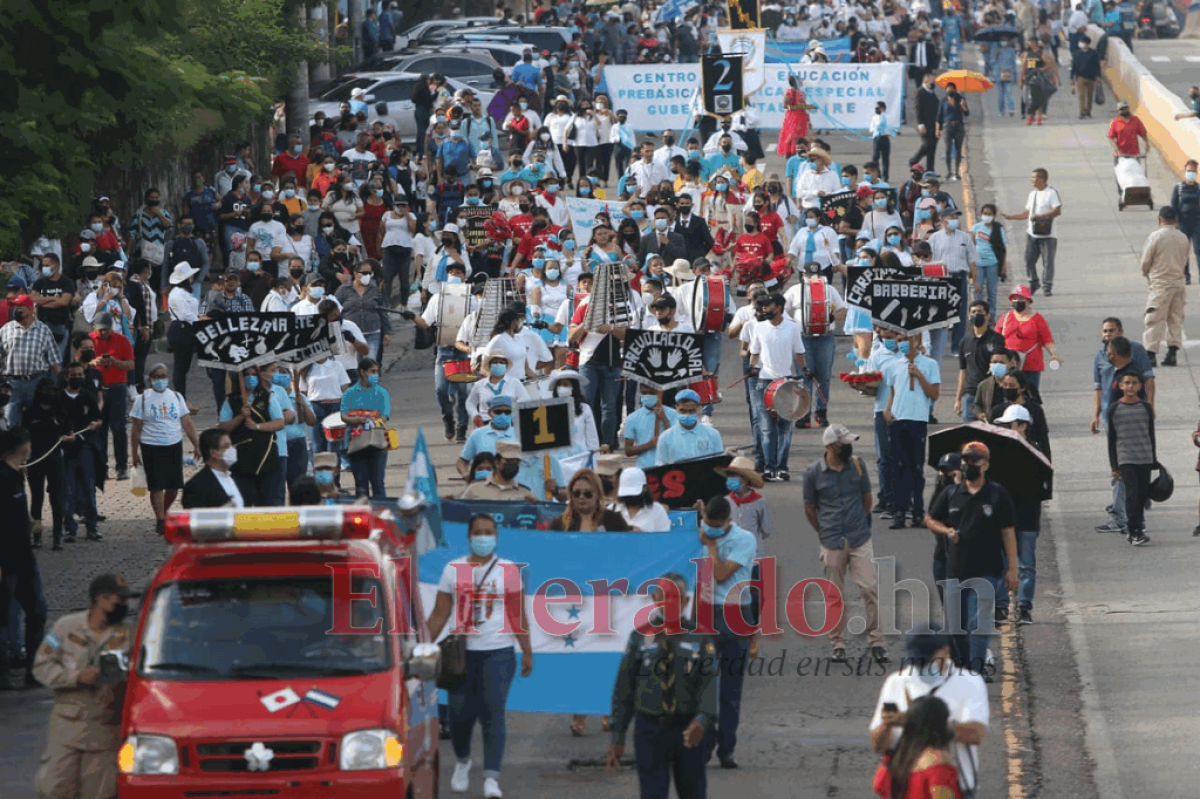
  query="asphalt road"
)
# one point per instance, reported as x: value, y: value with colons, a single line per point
x: 1175, y: 62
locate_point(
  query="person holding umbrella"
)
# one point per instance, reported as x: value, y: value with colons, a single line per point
x: 1029, y: 522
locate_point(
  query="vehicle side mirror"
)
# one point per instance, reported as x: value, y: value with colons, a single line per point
x: 424, y: 663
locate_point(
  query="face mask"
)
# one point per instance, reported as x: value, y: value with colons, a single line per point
x: 316, y: 292
x: 750, y: 228
x: 997, y: 370
x: 972, y: 472
x: 894, y: 240
x: 889, y: 344
x: 879, y: 204
x: 726, y: 147
x: 47, y: 271
x: 474, y: 201
x: 845, y: 181
x: 281, y: 379
x: 88, y: 247
x: 637, y: 215
x: 922, y: 214
x: 482, y: 474
x: 364, y: 279
x: 257, y: 187
x: 930, y: 675
x: 685, y: 210
x: 903, y: 347
x: 268, y: 194
x: 660, y: 224
x: 1189, y: 176
x: 510, y: 470
x: 538, y: 263
x: 524, y: 105
x: 568, y: 245
x: 733, y: 484
x: 97, y: 228
x: 327, y: 230
x: 372, y: 380
x: 252, y: 382
x: 952, y: 225
x: 229, y: 456
x: 498, y: 369
x: 926, y: 193
x: 544, y: 137
x: 688, y: 420
x: 253, y: 266
x: 118, y: 613
x: 159, y: 385
x: 693, y: 155
x: 552, y: 274
x: 330, y: 167
x: 714, y: 532
x: 978, y: 319
x: 812, y: 223
x: 502, y: 422
x: 1019, y: 305
x: 844, y: 452
x: 1011, y: 394
x: 483, y: 545
x: 648, y: 401
x: 563, y: 391
x: 722, y: 186
x: 76, y: 383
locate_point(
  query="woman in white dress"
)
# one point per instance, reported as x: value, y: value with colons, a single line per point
x: 547, y: 296
x: 568, y: 384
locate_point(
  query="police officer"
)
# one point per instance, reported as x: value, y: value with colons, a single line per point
x: 83, y: 659
x: 668, y: 680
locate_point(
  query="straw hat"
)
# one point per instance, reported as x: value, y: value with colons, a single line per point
x: 681, y: 270
x: 743, y: 468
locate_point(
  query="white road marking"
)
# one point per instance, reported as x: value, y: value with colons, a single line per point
x: 1160, y: 58
x: 1193, y: 58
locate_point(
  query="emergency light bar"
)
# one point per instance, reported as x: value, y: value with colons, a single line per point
x: 322, y: 522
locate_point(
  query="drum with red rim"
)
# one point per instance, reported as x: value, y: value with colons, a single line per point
x: 816, y: 308
x: 708, y: 390
x: 459, y: 372
x: 708, y: 305
x: 786, y: 398
x: 573, y: 359
x: 935, y: 270
x: 334, y: 428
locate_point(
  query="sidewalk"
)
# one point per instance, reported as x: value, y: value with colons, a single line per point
x: 1131, y: 674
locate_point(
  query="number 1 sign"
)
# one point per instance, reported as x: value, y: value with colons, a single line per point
x: 545, y: 424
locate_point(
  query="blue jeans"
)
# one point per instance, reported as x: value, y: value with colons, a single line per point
x: 819, y: 353
x: 660, y: 753
x: 908, y: 455
x: 1026, y: 572
x: 62, y: 336
x: 732, y: 654
x: 116, y: 402
x: 602, y: 392
x: 937, y: 343
x: 22, y: 395
x: 451, y: 397
x: 1034, y: 378
x: 482, y: 697
x: 367, y: 466
x: 883, y: 459
x: 297, y: 459
x: 976, y: 615
x: 1005, y: 101
x: 989, y: 279
x: 375, y: 342
x: 217, y: 378
x: 79, y: 495
x: 755, y: 432
x: 710, y: 357
x: 968, y: 399
x: 1116, y: 511
x: 776, y: 432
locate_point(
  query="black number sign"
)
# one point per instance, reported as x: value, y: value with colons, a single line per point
x: 721, y: 76
x: 545, y: 424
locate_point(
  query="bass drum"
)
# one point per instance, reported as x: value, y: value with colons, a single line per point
x: 708, y: 305
x: 459, y: 371
x: 787, y: 399
x: 816, y: 307
x: 708, y: 390
x: 454, y: 305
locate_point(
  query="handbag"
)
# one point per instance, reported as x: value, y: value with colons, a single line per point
x: 362, y: 438
x: 1006, y: 76
x: 453, y: 672
x: 153, y: 252
x: 1043, y: 227
x: 1099, y: 94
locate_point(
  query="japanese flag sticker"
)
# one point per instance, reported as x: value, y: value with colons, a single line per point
x: 280, y: 699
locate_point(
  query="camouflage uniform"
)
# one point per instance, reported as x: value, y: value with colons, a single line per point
x: 666, y: 681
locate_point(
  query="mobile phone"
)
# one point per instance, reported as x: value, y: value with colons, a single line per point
x: 890, y: 707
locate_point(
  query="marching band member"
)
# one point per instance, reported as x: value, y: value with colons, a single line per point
x: 819, y: 347
x: 451, y: 396
x: 776, y: 351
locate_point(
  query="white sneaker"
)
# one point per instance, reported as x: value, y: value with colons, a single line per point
x: 491, y: 789
x: 461, y: 780
x: 706, y: 419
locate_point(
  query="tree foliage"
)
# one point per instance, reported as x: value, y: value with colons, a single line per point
x: 93, y: 85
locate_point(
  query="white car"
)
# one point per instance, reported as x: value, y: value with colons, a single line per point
x: 393, y: 88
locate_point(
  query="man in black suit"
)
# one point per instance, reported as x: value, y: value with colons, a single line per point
x: 927, y: 112
x: 923, y: 56
x: 659, y: 240
x: 697, y: 238
x: 213, y: 486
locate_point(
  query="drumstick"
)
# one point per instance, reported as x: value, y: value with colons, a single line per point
x: 735, y: 382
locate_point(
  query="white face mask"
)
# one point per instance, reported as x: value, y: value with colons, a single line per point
x: 229, y: 456
x: 563, y: 391
x: 987, y: 220
x: 364, y: 279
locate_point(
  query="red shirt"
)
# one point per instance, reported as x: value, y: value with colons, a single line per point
x: 1125, y: 133
x: 939, y: 781
x: 520, y: 225
x: 771, y: 223
x: 284, y: 162
x: 529, y: 242
x: 120, y: 349
x: 752, y: 247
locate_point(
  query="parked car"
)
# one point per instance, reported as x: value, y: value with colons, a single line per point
x: 540, y: 37
x: 393, y: 88
x: 424, y: 32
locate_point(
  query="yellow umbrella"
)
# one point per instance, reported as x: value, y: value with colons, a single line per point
x: 966, y: 81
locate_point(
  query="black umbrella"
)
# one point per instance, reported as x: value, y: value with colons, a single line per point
x: 1015, y: 463
x: 995, y: 33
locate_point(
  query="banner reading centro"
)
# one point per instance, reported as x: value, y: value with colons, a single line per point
x: 660, y: 96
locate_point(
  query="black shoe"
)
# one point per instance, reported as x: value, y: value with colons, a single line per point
x: 1048, y: 292
x: 1138, y: 539
x: 1001, y: 616
x: 989, y: 679
x: 878, y: 654
x: 772, y: 477
x: 122, y: 474
x: 822, y: 419
x: 804, y: 422
x: 69, y: 538
x: 57, y: 547
x: 1024, y: 617
x: 897, y: 523
x: 887, y: 515
x: 1170, y: 359
x: 918, y: 521
x: 448, y: 425
x: 1153, y: 358
x: 727, y: 761
x: 1034, y: 285
x: 94, y: 537
x: 784, y: 476
x: 1196, y: 532
x: 839, y: 655
x: 460, y: 435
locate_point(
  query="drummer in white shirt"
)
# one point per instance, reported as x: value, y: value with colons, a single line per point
x: 499, y: 383
x: 819, y: 348
x: 664, y: 315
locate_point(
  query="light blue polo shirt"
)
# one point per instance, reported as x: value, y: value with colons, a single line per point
x: 677, y: 444
x: 639, y: 426
x: 737, y: 545
x: 483, y: 439
x: 911, y: 404
x: 880, y: 360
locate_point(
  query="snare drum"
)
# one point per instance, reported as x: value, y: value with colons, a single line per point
x: 816, y: 308
x: 935, y: 270
x: 708, y: 390
x: 787, y: 399
x: 459, y: 372
x: 334, y: 428
x: 573, y: 359
x: 708, y: 305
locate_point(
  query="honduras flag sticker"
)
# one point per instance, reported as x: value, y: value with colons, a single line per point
x: 316, y: 696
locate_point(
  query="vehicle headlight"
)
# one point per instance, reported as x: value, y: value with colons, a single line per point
x: 148, y: 754
x: 370, y: 749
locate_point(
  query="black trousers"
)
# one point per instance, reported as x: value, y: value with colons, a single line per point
x: 47, y: 477
x: 928, y: 149
x: 603, y: 160
x: 1136, y: 479
x: 396, y: 262
x: 881, y: 153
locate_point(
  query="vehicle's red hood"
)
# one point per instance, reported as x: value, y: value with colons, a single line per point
x: 187, y: 709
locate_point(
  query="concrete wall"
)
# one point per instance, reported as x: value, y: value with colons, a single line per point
x: 1154, y: 104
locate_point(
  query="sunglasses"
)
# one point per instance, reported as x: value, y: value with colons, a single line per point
x: 501, y: 413
x: 583, y: 494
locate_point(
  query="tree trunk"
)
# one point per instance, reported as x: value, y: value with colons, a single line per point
x: 321, y: 71
x: 355, y: 22
x: 297, y: 98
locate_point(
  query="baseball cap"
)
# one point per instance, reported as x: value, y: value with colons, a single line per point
x: 686, y: 395
x: 108, y: 584
x: 325, y: 460
x: 664, y: 301
x: 15, y: 284
x: 24, y: 300
x: 1015, y: 413
x: 1122, y: 104
x: 500, y: 401
x: 837, y: 434
x: 976, y: 449
x: 632, y: 482
x: 1021, y: 291
x: 104, y: 321
x: 950, y: 462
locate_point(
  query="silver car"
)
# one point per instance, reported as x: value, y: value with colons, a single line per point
x: 393, y: 88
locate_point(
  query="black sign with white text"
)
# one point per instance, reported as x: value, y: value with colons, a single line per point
x: 662, y: 359
x: 911, y: 306
x: 859, y: 279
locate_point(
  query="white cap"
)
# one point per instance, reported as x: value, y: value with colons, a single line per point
x: 632, y: 482
x: 837, y: 434
x: 451, y: 228
x: 359, y: 92
x: 1015, y: 413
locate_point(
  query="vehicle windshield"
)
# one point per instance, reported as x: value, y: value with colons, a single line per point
x: 259, y: 629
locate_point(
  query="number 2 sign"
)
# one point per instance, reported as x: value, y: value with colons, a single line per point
x: 722, y: 79
x: 545, y: 424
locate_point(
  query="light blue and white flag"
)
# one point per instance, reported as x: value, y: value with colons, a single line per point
x: 422, y: 478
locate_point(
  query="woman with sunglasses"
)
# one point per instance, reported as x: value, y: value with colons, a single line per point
x: 361, y: 300
x: 585, y: 508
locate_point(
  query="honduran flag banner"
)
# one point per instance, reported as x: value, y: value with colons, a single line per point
x: 574, y: 670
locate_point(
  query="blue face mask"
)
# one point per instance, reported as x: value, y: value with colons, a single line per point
x: 379, y: 192
x: 879, y: 204
x: 482, y: 474
x: 997, y: 370
x: 538, y: 263
x: 280, y: 379
x: 926, y: 193
x: 502, y: 421
x: 97, y: 228
x: 159, y: 385
x: 585, y: 191
x: 714, y: 532
x: 483, y: 545
x: 811, y: 222
x: 373, y: 380
x: 289, y: 193
x: 688, y: 420
x: 889, y: 344
x: 637, y: 215
x: 229, y: 170
x: 722, y: 186
x: 931, y: 675
x: 474, y: 200
x: 845, y: 181
x: 649, y: 401
x: 552, y: 274
x: 323, y: 477
x: 693, y: 155
x: 454, y: 280
x: 893, y: 240
x: 257, y: 188
x: 252, y: 382
x: 733, y: 484
x: 498, y: 369
x: 253, y: 266
x: 922, y: 214
x: 316, y: 292
x: 952, y: 225
x: 568, y: 244
x: 904, y: 347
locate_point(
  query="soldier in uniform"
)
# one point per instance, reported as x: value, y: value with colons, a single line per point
x: 669, y: 682
x: 83, y: 660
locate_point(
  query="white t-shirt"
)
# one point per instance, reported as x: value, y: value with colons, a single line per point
x: 964, y: 694
x: 267, y: 235
x: 349, y: 358
x: 652, y: 519
x: 302, y: 249
x: 487, y: 605
x: 1042, y: 202
x: 324, y: 381
x: 775, y: 345
x: 396, y: 232
x: 424, y: 247
x: 308, y: 307
x: 162, y: 416
x: 794, y: 304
